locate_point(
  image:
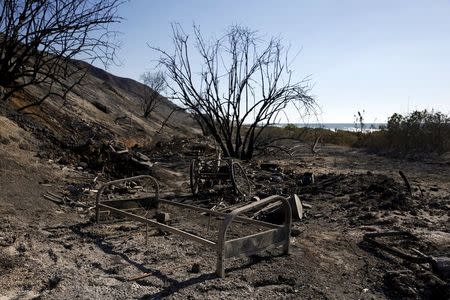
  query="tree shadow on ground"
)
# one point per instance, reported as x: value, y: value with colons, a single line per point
x: 171, y: 285
x: 179, y: 285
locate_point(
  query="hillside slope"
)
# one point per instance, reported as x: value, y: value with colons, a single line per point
x: 104, y: 107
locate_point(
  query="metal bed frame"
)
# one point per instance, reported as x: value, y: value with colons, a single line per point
x: 273, y: 235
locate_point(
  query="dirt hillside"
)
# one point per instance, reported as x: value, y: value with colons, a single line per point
x: 103, y: 107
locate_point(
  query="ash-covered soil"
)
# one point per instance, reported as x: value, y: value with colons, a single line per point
x: 56, y: 251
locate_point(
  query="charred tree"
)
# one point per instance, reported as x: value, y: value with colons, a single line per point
x: 243, y: 86
x: 155, y: 83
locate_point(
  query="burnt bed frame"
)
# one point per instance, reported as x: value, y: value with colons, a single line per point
x: 273, y: 235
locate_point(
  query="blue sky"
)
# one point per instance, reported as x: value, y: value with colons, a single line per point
x: 378, y: 56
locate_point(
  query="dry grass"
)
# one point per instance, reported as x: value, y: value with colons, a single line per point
x: 309, y: 135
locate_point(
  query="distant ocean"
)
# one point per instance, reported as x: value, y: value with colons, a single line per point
x: 340, y: 126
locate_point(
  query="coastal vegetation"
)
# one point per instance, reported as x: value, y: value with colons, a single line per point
x: 417, y: 133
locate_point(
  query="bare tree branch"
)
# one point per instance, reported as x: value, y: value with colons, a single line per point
x: 243, y: 85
